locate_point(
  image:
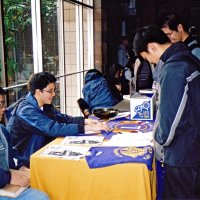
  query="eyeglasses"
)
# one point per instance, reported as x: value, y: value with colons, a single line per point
x: 50, y: 91
x: 2, y: 104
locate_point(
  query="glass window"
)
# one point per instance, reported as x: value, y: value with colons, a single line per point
x: 49, y: 29
x: 66, y: 41
x: 88, y: 2
x: 87, y: 39
x: 18, y: 40
x: 71, y: 32
x: 50, y: 36
x: 78, y: 40
x: 2, y: 78
x: 18, y: 43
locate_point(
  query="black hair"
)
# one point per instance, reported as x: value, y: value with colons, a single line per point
x: 95, y: 74
x: 113, y: 81
x: 146, y: 35
x: 92, y: 71
x: 113, y: 70
x: 40, y: 81
x: 2, y: 91
x: 172, y: 20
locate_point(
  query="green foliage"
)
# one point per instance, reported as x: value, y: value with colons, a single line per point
x: 17, y: 18
x: 12, y: 67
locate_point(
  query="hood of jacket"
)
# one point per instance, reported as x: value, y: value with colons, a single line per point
x: 92, y: 76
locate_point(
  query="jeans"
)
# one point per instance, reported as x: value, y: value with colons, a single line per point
x: 28, y: 194
x: 181, y: 183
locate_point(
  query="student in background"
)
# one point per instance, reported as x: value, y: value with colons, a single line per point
x: 123, y: 55
x: 8, y: 176
x: 124, y: 58
x: 176, y: 28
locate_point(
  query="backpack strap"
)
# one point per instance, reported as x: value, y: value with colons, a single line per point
x: 193, y: 42
x: 194, y: 46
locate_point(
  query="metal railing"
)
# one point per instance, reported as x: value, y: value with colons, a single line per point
x: 59, y: 76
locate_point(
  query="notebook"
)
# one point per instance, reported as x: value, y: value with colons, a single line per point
x: 11, y: 190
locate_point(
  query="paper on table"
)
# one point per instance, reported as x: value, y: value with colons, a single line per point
x: 127, y: 97
x: 92, y: 132
x: 130, y: 139
x: 83, y: 140
x: 121, y: 115
x: 65, y: 152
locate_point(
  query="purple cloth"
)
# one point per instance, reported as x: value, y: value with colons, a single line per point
x: 107, y: 156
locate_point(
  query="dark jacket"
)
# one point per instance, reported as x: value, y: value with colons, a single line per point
x: 194, y: 45
x: 97, y: 93
x: 6, y: 156
x: 177, y: 133
x: 32, y: 127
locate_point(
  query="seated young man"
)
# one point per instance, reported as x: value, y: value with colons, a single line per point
x: 34, y: 121
x: 8, y: 176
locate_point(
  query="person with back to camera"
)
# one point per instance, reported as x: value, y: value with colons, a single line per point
x: 177, y: 125
x: 34, y: 121
x: 96, y: 91
x: 8, y: 176
x: 176, y: 28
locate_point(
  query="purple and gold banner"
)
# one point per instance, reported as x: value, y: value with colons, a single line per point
x: 107, y: 156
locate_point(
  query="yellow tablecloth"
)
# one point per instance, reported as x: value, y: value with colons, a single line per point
x: 73, y: 180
